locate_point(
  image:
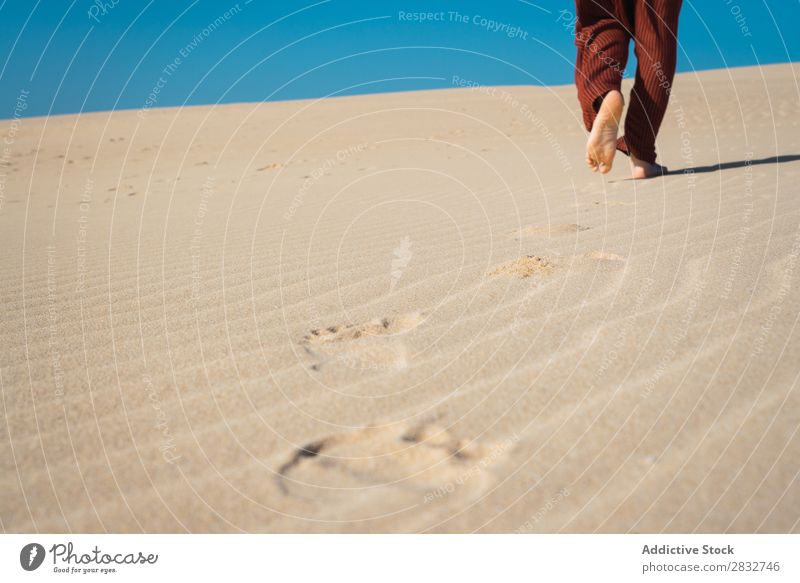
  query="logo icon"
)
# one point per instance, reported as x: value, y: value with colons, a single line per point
x: 402, y: 256
x: 31, y: 556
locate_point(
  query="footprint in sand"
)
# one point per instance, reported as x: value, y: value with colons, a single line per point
x: 384, y: 469
x: 603, y: 256
x: 550, y: 230
x: 524, y: 267
x: 377, y: 327
x: 372, y: 345
x: 530, y: 265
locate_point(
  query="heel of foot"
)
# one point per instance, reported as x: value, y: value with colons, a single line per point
x: 641, y: 169
x: 602, y: 144
x: 612, y: 106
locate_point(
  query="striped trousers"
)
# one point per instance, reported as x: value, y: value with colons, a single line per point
x: 602, y: 32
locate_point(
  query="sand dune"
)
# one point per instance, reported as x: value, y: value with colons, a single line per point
x: 412, y: 312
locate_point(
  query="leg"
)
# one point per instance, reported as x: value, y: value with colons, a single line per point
x: 655, y: 30
x: 601, y: 37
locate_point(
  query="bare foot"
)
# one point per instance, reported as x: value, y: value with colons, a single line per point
x: 642, y: 169
x: 602, y: 144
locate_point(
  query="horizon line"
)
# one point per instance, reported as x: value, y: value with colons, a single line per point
x: 342, y: 95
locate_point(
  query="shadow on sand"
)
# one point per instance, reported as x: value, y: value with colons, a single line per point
x: 725, y: 166
x: 737, y: 164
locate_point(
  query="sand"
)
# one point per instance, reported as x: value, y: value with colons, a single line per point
x: 409, y: 312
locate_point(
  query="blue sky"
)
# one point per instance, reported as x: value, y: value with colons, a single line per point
x: 90, y: 55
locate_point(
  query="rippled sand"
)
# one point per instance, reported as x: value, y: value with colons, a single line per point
x: 403, y: 312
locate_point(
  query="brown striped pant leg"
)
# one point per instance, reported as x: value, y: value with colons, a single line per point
x: 655, y: 28
x: 602, y: 34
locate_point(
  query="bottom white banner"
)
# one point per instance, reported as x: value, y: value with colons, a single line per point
x: 355, y: 558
